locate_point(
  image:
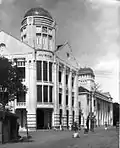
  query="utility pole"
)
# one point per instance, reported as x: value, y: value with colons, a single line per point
x: 90, y: 115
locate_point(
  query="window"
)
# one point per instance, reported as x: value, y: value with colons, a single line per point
x: 38, y: 29
x: 73, y: 116
x: 60, y: 76
x: 60, y: 98
x: 67, y: 114
x: 44, y: 41
x: 50, y: 71
x: 72, y: 81
x: 94, y: 102
x: 67, y: 79
x: 50, y: 94
x: 21, y: 97
x: 44, y: 29
x: 45, y: 91
x: 21, y: 72
x: 66, y: 99
x: 39, y: 70
x: 60, y: 119
x: 72, y: 101
x: 45, y: 71
x: 39, y: 93
x: 39, y: 39
x: 50, y: 42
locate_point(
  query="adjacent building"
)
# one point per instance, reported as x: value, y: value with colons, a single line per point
x: 92, y: 101
x: 52, y: 76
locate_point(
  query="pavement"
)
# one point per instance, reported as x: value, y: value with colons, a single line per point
x: 63, y: 139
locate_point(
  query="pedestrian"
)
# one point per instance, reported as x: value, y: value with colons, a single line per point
x: 76, y: 134
x: 70, y: 126
x: 105, y: 125
x: 60, y: 127
x: 18, y: 125
x: 87, y: 123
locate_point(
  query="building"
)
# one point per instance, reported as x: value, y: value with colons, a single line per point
x: 50, y: 73
x: 93, y: 101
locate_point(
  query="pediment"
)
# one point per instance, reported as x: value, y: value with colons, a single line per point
x: 65, y: 54
x: 11, y: 45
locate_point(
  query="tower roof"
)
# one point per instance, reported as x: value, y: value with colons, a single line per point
x: 38, y: 11
x: 86, y: 71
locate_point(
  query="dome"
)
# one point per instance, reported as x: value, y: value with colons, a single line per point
x: 86, y: 71
x: 38, y: 11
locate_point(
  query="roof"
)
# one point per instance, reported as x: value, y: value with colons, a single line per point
x: 107, y: 94
x: 38, y: 11
x: 64, y: 53
x: 82, y: 89
x: 86, y: 71
x: 13, y: 45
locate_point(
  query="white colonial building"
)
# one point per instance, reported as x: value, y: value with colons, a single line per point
x: 51, y: 75
x: 92, y: 100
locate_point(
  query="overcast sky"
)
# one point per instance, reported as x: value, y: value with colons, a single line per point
x: 90, y: 26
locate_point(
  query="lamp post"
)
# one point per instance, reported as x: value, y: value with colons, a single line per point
x: 90, y: 114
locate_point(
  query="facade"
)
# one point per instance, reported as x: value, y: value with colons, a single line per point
x: 50, y: 73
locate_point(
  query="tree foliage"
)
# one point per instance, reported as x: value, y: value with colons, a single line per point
x: 10, y: 80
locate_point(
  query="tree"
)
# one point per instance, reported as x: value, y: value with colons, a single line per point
x: 10, y: 81
x: 10, y: 84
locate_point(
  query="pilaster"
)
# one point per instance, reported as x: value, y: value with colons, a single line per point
x: 76, y: 109
x: 64, y: 96
x: 55, y: 96
x: 31, y: 97
x: 70, y: 96
x: 111, y: 114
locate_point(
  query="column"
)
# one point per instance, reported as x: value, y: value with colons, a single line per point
x: 42, y: 95
x: 48, y: 94
x: 48, y: 79
x: 70, y: 97
x: 55, y: 115
x: 76, y: 108
x: 42, y: 70
x: 64, y: 97
x: 102, y: 112
x: 48, y: 71
x: 111, y: 114
x: 105, y: 113
x: 31, y: 98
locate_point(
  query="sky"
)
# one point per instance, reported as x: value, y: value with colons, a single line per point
x: 90, y: 26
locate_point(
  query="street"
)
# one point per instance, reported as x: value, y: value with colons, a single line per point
x: 63, y: 139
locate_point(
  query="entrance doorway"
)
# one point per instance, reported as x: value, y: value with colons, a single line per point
x: 40, y: 119
x: 67, y: 112
x: 44, y: 118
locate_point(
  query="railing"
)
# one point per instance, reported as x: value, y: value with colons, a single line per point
x: 20, y: 104
x: 45, y: 104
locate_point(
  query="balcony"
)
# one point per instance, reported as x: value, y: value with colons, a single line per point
x: 45, y: 105
x: 20, y: 105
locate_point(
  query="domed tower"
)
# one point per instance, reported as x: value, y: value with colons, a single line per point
x: 38, y: 29
x: 86, y: 78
